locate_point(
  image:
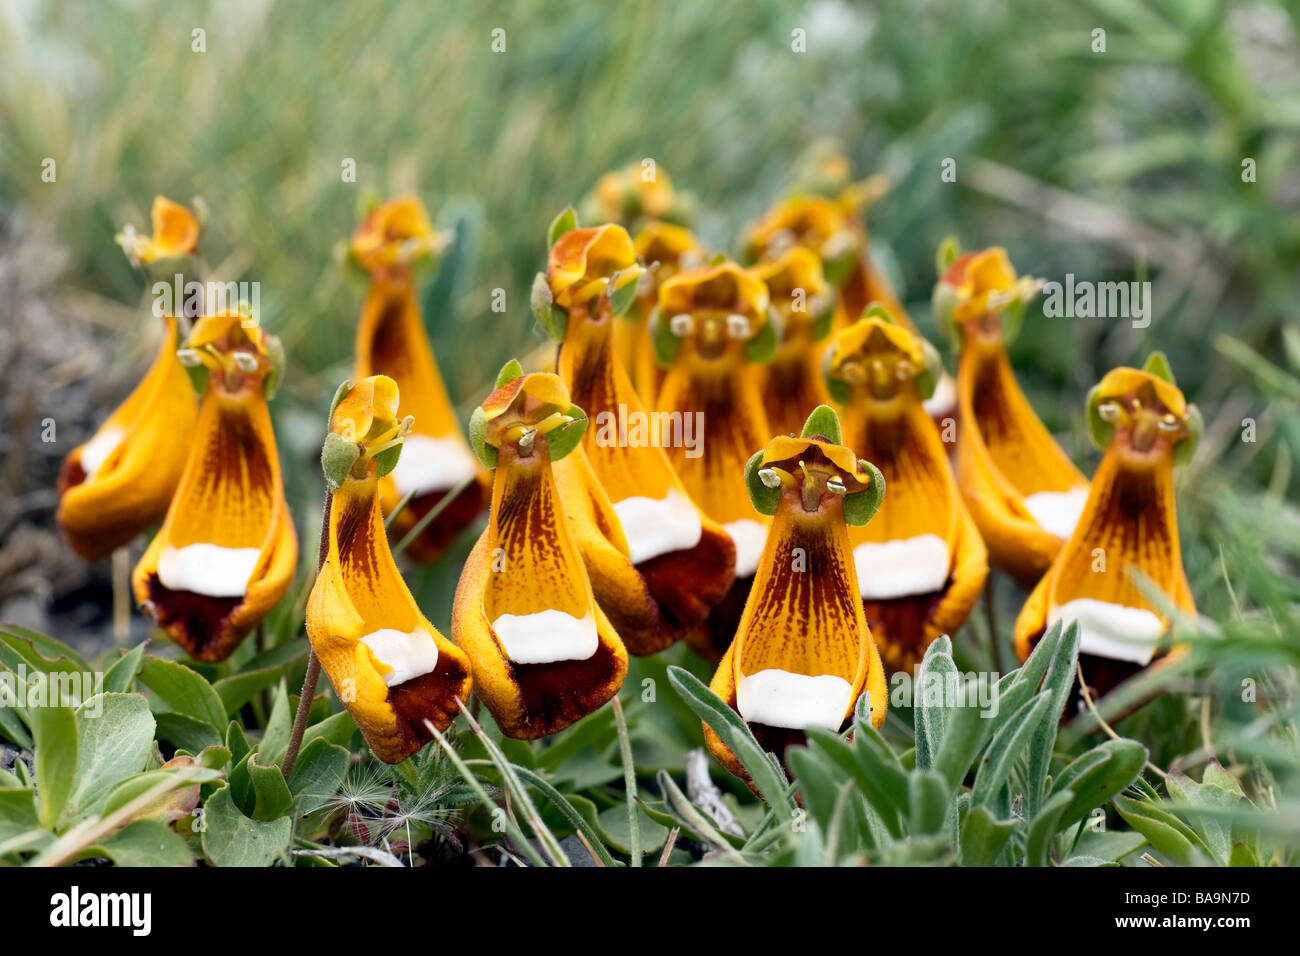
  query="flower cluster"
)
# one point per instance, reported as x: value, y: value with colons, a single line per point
x: 815, y: 537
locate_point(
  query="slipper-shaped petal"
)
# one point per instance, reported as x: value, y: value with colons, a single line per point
x: 226, y: 551
x: 803, y: 653
x: 666, y: 250
x: 544, y: 653
x: 684, y: 558
x: 1023, y: 491
x: 805, y: 303
x: 712, y: 330
x: 393, y: 670
x: 392, y: 341
x: 1128, y: 532
x: 119, y: 483
x: 920, y: 561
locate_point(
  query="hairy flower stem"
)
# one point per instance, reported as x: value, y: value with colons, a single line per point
x: 313, y: 662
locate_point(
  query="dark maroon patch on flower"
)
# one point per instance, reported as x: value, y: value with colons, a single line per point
x: 551, y: 699
x: 197, y: 622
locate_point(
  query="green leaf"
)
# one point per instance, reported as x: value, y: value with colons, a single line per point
x: 185, y: 732
x: 882, y: 784
x: 1057, y: 683
x: 665, y: 343
x: 1157, y: 364
x: 570, y: 812
x: 1164, y: 831
x: 318, y: 774
x: 727, y: 724
x: 275, y: 739
x: 614, y: 827
x: 762, y: 345
x: 691, y: 819
x: 121, y: 673
x: 262, y: 672
x: 271, y: 796
x: 232, y: 839
x: 1010, y: 739
x: 928, y: 802
x: 566, y: 221
x: 132, y: 787
x: 184, y: 691
x: 931, y: 715
x: 968, y: 731
x: 983, y: 836
x: 39, y: 652
x: 340, y: 393
x: 1098, y: 775
x: 947, y: 253
x: 144, y: 843
x: 54, y: 732
x: 1043, y: 828
x: 114, y: 741
x: 337, y: 729
x: 17, y: 812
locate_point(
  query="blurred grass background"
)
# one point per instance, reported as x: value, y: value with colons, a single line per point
x: 1123, y: 164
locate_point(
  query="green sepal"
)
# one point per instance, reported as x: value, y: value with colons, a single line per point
x: 566, y: 221
x: 762, y: 346
x: 1012, y: 317
x: 840, y: 390
x: 943, y: 303
x: 838, y: 269
x: 1100, y: 430
x: 875, y: 310
x: 563, y: 439
x: 764, y: 499
x: 367, y: 202
x: 665, y: 343
x: 478, y: 423
x: 275, y: 352
x: 1157, y: 364
x: 549, y: 316
x: 620, y: 300
x: 387, y: 459
x: 1186, y: 448
x: 718, y: 259
x: 823, y: 423
x: 340, y: 393
x: 821, y: 325
x: 926, y: 381
x: 198, y: 376
x: 509, y: 372
x: 947, y: 253
x: 337, y: 456
x: 861, y: 506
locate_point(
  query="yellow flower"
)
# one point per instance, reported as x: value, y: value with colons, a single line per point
x: 683, y: 561
x: 666, y: 250
x: 1023, y: 492
x: 175, y: 233
x: 391, y: 668
x: 226, y: 551
x: 1128, y: 531
x: 392, y: 341
x: 805, y: 301
x: 711, y: 330
x: 803, y: 653
x: 632, y: 194
x: 544, y: 653
x: 920, y: 562
x: 119, y: 483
